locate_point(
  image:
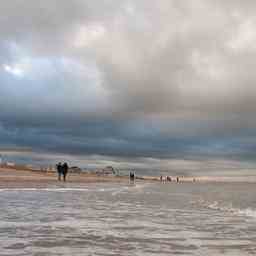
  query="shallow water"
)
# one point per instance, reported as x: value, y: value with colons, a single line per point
x: 119, y: 219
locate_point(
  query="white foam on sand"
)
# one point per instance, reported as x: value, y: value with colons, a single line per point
x: 114, y: 190
x: 248, y: 212
x: 134, y: 188
x: 43, y: 189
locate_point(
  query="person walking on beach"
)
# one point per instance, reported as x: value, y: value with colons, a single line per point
x: 59, y: 170
x: 132, y: 178
x: 64, y: 171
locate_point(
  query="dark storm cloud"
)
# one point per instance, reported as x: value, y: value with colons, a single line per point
x: 166, y: 79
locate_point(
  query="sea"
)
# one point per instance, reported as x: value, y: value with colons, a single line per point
x: 145, y: 218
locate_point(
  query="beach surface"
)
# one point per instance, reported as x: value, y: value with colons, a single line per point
x: 11, y: 177
x: 14, y: 177
x: 50, y: 218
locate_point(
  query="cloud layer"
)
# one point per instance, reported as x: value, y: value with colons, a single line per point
x: 167, y: 79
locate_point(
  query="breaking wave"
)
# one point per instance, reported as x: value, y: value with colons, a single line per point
x: 43, y: 189
x: 113, y: 190
x: 248, y: 212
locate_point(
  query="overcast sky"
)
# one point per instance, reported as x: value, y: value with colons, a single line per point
x: 170, y: 81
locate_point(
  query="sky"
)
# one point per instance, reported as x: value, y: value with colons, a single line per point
x: 147, y: 84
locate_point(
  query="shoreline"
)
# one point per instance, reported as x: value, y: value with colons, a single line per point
x: 11, y: 177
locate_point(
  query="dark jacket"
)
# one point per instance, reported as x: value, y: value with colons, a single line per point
x: 65, y: 168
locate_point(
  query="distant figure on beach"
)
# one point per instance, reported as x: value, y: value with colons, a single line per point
x: 132, y: 176
x: 169, y: 178
x: 64, y: 171
x: 177, y: 179
x: 59, y: 170
x: 163, y: 179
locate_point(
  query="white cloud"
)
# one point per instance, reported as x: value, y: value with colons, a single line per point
x: 244, y: 37
x: 14, y: 70
x: 88, y: 34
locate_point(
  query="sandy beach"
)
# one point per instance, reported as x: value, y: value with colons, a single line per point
x: 16, y: 178
x: 10, y: 177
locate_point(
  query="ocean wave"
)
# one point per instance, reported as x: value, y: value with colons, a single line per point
x: 134, y: 188
x: 43, y: 189
x: 249, y: 212
x: 113, y: 190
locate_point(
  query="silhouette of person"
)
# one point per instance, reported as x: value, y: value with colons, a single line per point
x: 132, y: 176
x: 64, y: 171
x: 59, y: 170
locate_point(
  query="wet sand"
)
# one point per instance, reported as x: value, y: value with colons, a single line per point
x: 22, y: 178
x: 11, y: 177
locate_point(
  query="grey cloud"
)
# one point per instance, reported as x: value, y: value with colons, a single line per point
x: 129, y: 78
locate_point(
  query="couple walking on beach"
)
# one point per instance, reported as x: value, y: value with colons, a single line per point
x: 62, y: 169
